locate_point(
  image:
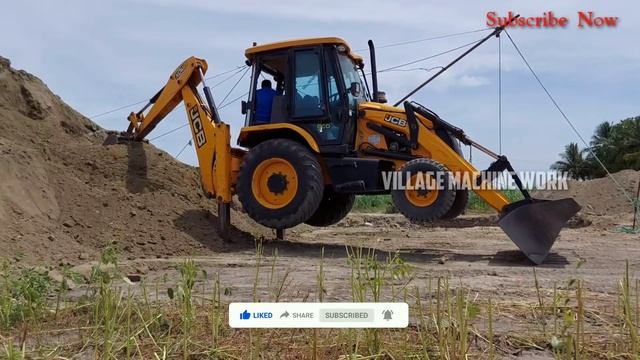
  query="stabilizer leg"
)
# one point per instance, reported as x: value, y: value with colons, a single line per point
x: 224, y: 219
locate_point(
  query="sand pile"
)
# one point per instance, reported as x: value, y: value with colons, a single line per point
x: 63, y: 195
x: 600, y: 196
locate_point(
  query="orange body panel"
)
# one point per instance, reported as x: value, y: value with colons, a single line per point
x: 429, y: 144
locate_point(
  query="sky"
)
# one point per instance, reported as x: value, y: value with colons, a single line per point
x: 100, y: 55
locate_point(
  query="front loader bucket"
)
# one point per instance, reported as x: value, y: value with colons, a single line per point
x: 533, y: 225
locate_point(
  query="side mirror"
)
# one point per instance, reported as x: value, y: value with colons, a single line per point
x: 355, y: 89
x: 243, y: 107
x: 382, y: 97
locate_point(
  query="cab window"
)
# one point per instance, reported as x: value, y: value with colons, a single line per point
x: 267, y: 101
x: 330, y: 131
x: 308, y: 88
x: 350, y: 75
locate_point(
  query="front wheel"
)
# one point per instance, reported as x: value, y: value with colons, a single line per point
x: 419, y: 202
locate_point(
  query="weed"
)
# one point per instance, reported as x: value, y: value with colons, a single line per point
x: 63, y: 287
x: 627, y: 312
x: 107, y: 304
x: 492, y: 347
x: 11, y: 352
x: 188, y: 273
x: 23, y: 294
x: 123, y: 323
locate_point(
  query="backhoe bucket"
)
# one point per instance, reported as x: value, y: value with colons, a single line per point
x: 119, y: 137
x: 533, y: 225
x: 111, y: 139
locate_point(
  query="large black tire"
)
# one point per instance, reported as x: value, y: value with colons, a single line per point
x: 440, y: 201
x: 333, y: 208
x: 301, y: 182
x: 459, y: 205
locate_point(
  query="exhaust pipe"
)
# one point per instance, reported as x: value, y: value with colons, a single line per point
x: 374, y: 71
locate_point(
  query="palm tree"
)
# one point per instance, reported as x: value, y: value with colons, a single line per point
x: 630, y: 142
x: 617, y: 146
x: 603, y: 146
x: 572, y: 162
x: 602, y: 135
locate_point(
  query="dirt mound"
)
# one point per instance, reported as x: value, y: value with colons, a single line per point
x: 63, y: 195
x: 600, y: 196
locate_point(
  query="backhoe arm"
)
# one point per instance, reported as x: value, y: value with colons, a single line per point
x: 210, y: 135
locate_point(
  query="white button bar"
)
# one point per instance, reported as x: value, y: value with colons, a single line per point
x: 318, y: 315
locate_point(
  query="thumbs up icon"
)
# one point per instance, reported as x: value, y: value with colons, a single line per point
x: 245, y: 315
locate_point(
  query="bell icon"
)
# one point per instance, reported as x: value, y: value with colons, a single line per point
x: 387, y: 315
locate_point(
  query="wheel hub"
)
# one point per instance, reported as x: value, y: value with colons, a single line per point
x: 277, y: 183
x: 274, y: 183
x: 421, y: 197
x: 422, y: 192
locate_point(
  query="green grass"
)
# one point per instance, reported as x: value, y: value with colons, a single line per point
x: 23, y: 295
x: 477, y: 205
x: 447, y: 321
x: 383, y: 203
x: 373, y: 204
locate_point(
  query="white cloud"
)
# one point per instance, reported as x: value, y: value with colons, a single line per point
x: 472, y: 81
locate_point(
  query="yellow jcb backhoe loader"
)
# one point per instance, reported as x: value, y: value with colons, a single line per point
x: 326, y: 138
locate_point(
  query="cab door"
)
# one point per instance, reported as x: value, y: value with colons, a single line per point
x: 316, y: 100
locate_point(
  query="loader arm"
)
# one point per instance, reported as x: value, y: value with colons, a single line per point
x: 431, y: 145
x: 428, y: 144
x: 532, y: 224
x: 211, y: 137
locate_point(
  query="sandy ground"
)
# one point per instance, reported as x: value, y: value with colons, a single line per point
x: 470, y: 251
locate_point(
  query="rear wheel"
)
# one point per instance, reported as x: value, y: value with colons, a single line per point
x: 459, y: 205
x: 280, y: 183
x: 417, y: 202
x: 333, y: 208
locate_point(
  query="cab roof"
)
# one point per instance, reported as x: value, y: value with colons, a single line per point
x: 252, y: 51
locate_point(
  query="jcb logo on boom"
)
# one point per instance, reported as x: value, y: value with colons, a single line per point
x: 196, y: 124
x: 179, y: 71
x: 395, y: 120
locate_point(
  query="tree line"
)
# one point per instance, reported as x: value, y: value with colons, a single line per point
x: 616, y: 145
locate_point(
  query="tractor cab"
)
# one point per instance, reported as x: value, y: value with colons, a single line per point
x: 315, y: 85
